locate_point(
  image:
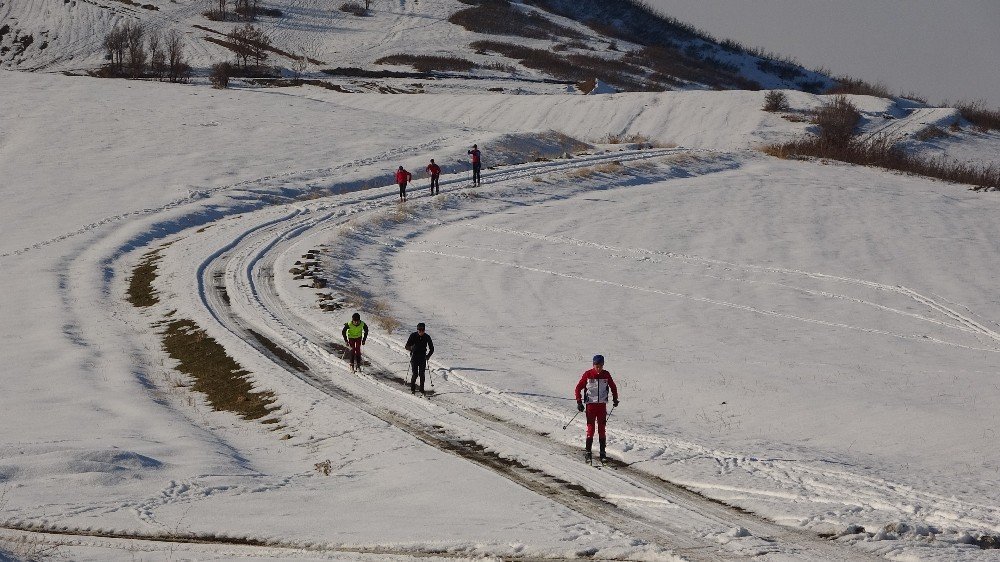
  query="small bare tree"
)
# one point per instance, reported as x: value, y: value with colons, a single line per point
x: 114, y: 43
x: 136, y: 49
x: 250, y: 43
x: 157, y: 57
x: 176, y: 67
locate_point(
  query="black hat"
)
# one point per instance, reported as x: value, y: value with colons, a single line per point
x: 355, y: 316
x: 420, y: 326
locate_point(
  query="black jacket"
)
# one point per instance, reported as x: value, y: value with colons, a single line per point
x: 420, y: 347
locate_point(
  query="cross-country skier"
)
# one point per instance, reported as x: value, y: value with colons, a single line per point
x: 421, y: 348
x: 477, y: 164
x: 355, y: 335
x: 435, y: 172
x: 402, y: 178
x: 594, y: 385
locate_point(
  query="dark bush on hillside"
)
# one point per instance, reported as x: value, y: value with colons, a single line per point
x: 354, y: 8
x: 781, y: 69
x: 429, y: 63
x: 975, y: 112
x: 837, y: 121
x: 855, y: 86
x: 500, y: 17
x: 776, y: 100
x: 219, y: 77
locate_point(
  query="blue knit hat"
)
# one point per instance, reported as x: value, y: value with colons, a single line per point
x: 598, y: 359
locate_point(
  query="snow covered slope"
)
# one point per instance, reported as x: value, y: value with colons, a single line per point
x: 68, y: 36
x: 811, y: 342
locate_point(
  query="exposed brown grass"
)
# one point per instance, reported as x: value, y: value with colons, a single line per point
x: 500, y: 17
x: 856, y: 86
x: 429, y: 63
x: 883, y: 153
x: 140, y: 288
x: 979, y: 115
x: 223, y: 381
x: 382, y: 313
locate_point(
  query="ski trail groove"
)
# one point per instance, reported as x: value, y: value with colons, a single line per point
x: 539, y: 464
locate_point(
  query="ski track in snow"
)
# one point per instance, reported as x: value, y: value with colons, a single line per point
x: 963, y: 323
x: 248, y: 258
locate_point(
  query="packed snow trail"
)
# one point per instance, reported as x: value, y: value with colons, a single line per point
x: 637, y: 504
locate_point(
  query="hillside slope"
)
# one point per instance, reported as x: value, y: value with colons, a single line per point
x: 617, y: 42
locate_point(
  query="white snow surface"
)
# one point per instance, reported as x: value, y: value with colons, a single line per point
x: 812, y: 342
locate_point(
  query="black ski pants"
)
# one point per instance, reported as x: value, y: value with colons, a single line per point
x: 477, y: 168
x: 419, y: 367
x: 435, y: 184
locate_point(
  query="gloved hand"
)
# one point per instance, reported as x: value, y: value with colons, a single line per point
x: 615, y: 404
x: 579, y: 405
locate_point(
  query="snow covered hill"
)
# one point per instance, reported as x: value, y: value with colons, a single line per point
x: 509, y: 46
x: 805, y: 350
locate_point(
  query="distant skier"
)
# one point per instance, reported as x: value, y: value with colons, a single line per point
x: 402, y: 178
x: 421, y: 348
x: 477, y: 164
x: 594, y: 385
x: 355, y: 335
x: 435, y: 172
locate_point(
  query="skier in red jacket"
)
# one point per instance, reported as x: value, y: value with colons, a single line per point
x: 594, y: 384
x: 402, y: 178
x: 435, y: 172
x: 477, y: 165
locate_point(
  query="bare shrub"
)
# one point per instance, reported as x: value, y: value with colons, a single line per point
x: 913, y: 96
x: 219, y: 76
x: 115, y: 45
x: 884, y: 153
x: 135, y: 50
x: 776, y: 100
x: 623, y: 138
x: 250, y: 42
x: 837, y: 120
x: 499, y: 67
x: 979, y: 115
x: 931, y: 132
x: 847, y: 85
x: 178, y: 69
x: 325, y: 467
x: 157, y: 56
x: 429, y: 63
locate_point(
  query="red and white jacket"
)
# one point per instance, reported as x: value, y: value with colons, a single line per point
x: 594, y: 385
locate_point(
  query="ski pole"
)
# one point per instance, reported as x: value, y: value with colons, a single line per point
x: 571, y: 419
x: 430, y: 373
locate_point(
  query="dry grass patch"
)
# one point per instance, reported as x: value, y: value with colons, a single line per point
x: 382, y: 313
x: 429, y: 63
x: 140, y: 287
x: 218, y: 376
x: 979, y: 115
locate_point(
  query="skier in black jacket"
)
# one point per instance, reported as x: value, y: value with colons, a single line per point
x: 421, y: 348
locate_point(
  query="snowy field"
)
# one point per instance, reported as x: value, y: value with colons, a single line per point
x: 813, y: 345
